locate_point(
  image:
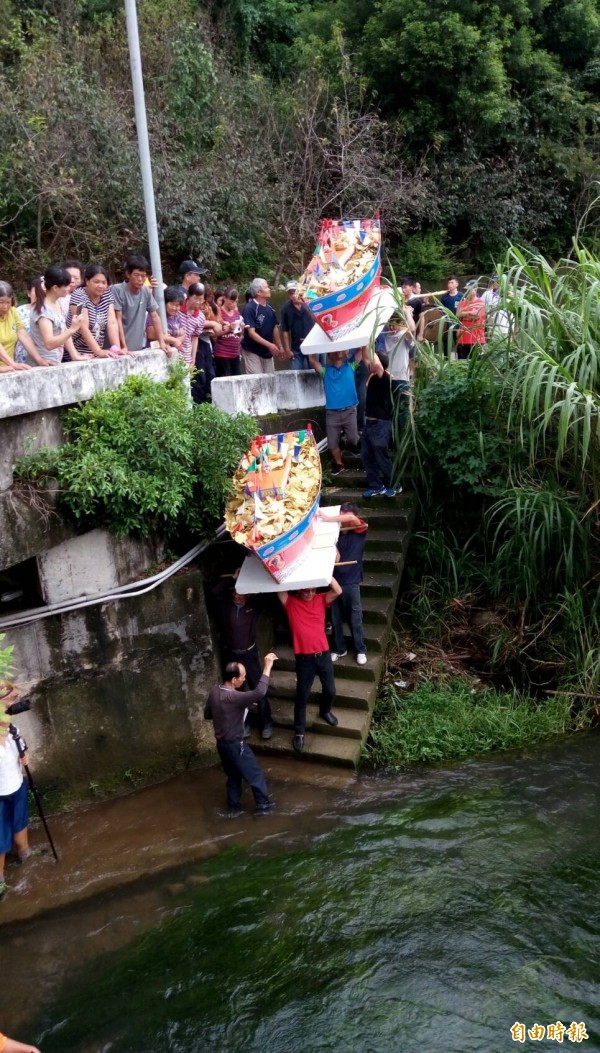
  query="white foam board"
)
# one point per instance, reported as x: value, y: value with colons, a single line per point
x: 313, y: 573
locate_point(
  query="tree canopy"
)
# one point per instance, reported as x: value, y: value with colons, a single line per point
x: 467, y: 123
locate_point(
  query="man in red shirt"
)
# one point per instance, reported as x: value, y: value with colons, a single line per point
x: 305, y: 609
x: 471, y: 315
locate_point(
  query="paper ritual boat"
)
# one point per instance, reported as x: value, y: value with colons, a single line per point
x: 343, y: 273
x: 277, y: 487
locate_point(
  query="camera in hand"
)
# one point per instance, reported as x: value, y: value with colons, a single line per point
x: 22, y: 706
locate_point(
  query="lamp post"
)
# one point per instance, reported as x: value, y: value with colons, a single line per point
x: 137, y: 81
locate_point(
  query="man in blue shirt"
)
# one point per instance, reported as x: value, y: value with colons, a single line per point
x: 341, y: 401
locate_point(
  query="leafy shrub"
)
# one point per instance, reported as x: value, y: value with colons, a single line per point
x: 142, y: 459
x: 445, y: 721
x: 6, y: 659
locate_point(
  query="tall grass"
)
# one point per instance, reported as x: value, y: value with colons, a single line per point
x: 445, y: 721
x: 504, y: 451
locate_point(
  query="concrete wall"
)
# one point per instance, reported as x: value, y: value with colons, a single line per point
x: 30, y: 401
x: 94, y: 562
x: 118, y: 686
x: 28, y: 525
x: 268, y: 393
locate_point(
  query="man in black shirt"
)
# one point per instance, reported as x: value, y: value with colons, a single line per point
x: 261, y: 338
x: 239, y: 616
x: 226, y: 706
x: 296, y: 324
x: 377, y: 434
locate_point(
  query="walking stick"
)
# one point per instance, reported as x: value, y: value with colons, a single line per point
x: 11, y: 711
x: 36, y: 798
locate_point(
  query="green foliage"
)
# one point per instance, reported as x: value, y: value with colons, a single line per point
x: 144, y: 460
x: 468, y: 125
x: 6, y: 659
x: 426, y: 255
x: 505, y: 452
x: 442, y: 722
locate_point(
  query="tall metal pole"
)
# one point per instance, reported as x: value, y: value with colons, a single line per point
x: 137, y: 80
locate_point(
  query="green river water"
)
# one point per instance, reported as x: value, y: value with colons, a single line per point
x: 426, y: 912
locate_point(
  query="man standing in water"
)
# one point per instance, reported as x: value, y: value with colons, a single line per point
x: 239, y: 617
x: 306, y: 614
x: 226, y: 706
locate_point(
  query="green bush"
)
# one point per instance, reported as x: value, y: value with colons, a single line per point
x: 144, y: 460
x: 6, y: 660
x: 445, y: 721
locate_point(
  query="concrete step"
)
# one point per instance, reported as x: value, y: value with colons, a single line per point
x: 384, y: 559
x: 352, y: 723
x: 370, y: 671
x: 378, y: 583
x: 387, y: 511
x: 330, y: 749
x: 385, y: 538
x: 352, y: 692
x: 390, y: 522
x: 377, y: 612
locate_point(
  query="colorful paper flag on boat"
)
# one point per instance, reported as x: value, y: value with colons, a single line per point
x: 343, y: 273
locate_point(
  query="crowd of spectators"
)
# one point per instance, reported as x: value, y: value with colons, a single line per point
x: 74, y: 314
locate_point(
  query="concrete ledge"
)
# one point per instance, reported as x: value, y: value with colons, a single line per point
x: 93, y: 563
x: 41, y: 389
x: 269, y: 392
x: 26, y: 529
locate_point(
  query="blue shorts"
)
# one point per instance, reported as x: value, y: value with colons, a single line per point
x: 14, y: 817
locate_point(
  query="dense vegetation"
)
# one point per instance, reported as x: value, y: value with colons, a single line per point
x: 505, y: 455
x: 467, y: 123
x: 500, y: 623
x: 143, y: 460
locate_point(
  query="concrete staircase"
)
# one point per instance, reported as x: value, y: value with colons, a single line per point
x: 390, y: 524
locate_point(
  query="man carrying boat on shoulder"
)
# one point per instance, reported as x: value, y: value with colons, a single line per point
x: 341, y: 400
x: 305, y: 609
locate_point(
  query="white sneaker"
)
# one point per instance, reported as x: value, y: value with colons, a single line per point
x: 361, y: 659
x: 338, y: 654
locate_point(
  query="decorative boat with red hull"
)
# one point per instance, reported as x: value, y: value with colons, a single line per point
x: 343, y: 273
x: 277, y: 487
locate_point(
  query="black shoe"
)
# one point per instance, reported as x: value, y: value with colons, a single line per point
x: 330, y: 719
x: 338, y: 469
x: 298, y: 742
x: 234, y: 813
x: 264, y: 809
x: 267, y: 731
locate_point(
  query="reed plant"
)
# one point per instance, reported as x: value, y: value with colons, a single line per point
x: 504, y: 452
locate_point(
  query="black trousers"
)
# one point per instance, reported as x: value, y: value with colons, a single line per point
x: 308, y: 666
x: 227, y: 367
x: 251, y: 661
x: 240, y: 765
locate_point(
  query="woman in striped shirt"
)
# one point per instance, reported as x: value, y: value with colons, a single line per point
x: 95, y: 302
x: 183, y: 327
x: 227, y: 347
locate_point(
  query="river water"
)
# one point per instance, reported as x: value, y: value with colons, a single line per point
x: 423, y: 912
